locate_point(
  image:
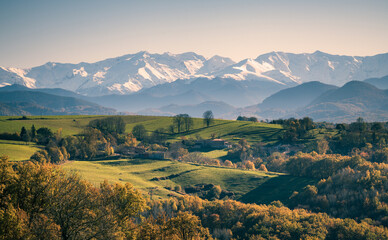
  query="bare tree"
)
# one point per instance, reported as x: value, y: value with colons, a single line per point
x: 208, y: 118
x: 178, y: 122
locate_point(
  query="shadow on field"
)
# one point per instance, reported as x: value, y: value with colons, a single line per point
x: 197, y: 130
x: 277, y: 188
x: 173, y: 175
x: 129, y: 162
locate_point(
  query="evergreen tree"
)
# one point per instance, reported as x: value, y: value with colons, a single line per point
x: 33, y: 132
x: 24, y: 135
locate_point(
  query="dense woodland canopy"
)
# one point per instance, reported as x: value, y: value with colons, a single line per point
x: 40, y: 201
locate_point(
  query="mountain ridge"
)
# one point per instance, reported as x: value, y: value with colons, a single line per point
x: 133, y: 72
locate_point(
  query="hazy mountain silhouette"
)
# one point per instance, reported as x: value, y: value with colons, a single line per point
x: 295, y: 97
x: 39, y: 103
x: 381, y: 83
x: 219, y: 109
x: 355, y: 99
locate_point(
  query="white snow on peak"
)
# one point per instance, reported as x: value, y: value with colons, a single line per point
x: 116, y: 87
x: 156, y: 72
x: 255, y: 67
x: 4, y: 84
x: 21, y: 73
x: 193, y: 66
x: 330, y: 64
x: 142, y: 72
x: 98, y: 76
x: 132, y: 72
x: 290, y: 76
x: 355, y: 60
x: 80, y: 71
x: 132, y: 86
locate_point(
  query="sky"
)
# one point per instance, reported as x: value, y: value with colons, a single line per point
x: 35, y: 32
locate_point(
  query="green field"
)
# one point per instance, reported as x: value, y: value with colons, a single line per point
x: 17, y: 151
x: 227, y: 129
x: 216, y: 153
x: 279, y: 188
x: 248, y: 186
x: 140, y: 172
x: 251, y: 186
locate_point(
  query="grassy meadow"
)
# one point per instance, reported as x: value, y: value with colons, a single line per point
x: 250, y: 186
x: 141, y: 172
x: 227, y: 129
x: 16, y: 150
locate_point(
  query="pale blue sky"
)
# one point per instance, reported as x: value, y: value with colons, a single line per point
x: 33, y: 32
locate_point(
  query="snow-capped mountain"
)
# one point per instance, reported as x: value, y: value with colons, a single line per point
x: 288, y: 68
x: 133, y: 72
x: 125, y: 74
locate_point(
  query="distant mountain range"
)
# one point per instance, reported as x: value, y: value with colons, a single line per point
x: 381, y: 83
x: 219, y: 109
x: 274, y: 85
x: 355, y: 99
x: 19, y: 100
x: 133, y: 72
x: 324, y: 102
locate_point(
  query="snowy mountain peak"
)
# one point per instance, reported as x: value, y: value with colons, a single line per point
x: 133, y: 72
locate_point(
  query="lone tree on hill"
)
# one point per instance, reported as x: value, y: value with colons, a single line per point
x: 208, y: 118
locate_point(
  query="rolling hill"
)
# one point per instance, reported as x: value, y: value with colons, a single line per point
x: 355, y: 99
x: 140, y: 173
x: 381, y: 83
x: 295, y: 97
x: 227, y: 129
x: 246, y: 186
x: 39, y: 103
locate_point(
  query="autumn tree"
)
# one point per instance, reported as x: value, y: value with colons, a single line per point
x: 322, y: 146
x: 228, y: 163
x: 262, y: 167
x: 186, y: 226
